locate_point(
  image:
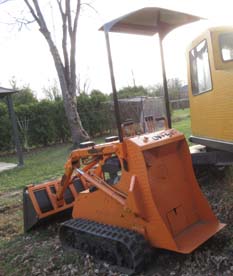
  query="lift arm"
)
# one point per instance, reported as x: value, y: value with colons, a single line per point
x: 88, y: 157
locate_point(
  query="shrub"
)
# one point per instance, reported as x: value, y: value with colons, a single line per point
x: 6, y: 142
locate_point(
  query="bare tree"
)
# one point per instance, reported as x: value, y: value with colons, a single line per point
x: 23, y: 124
x: 65, y: 63
x: 52, y: 92
x: 83, y: 84
x: 133, y: 78
x: 3, y: 1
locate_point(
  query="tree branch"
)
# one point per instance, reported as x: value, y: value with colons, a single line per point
x: 37, y: 14
x: 64, y: 41
x: 89, y: 6
x: 4, y: 1
x: 73, y: 48
x: 40, y: 16
x: 60, y: 8
x: 32, y: 11
x: 66, y: 71
x: 68, y: 12
x: 76, y: 18
x: 23, y: 22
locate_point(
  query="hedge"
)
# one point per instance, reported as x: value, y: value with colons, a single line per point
x: 43, y: 123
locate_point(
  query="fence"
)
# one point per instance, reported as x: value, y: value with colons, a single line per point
x: 179, y: 104
x: 44, y: 122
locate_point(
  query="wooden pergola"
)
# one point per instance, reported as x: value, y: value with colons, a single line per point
x: 6, y: 92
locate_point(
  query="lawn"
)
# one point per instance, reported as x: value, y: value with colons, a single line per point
x: 40, y: 165
x: 181, y: 121
x: 180, y: 113
x: 48, y: 163
x: 40, y: 253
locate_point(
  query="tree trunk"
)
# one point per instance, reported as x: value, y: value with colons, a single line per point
x: 66, y: 72
x: 77, y: 131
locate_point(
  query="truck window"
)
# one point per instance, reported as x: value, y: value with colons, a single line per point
x: 226, y: 46
x: 200, y: 69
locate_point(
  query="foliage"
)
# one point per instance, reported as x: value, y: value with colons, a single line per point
x: 93, y: 110
x: 43, y: 123
x: 24, y: 96
x: 174, y: 88
x: 42, y: 126
x: 156, y: 90
x: 5, y: 127
x: 132, y: 91
x: 46, y: 124
x: 52, y: 92
x: 62, y: 130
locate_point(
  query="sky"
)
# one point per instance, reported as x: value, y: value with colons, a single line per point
x: 25, y: 56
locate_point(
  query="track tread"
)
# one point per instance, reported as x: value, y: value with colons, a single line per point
x: 112, y: 237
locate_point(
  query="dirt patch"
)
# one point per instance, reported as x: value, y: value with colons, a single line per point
x: 11, y: 215
x: 8, y: 209
x: 10, y: 194
x: 3, y: 209
x: 7, y: 231
x: 40, y: 252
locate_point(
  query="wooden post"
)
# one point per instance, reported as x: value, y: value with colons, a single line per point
x: 15, y: 131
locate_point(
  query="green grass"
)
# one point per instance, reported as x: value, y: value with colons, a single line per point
x: 183, y: 126
x: 48, y: 163
x: 181, y: 121
x: 181, y: 113
x: 40, y: 166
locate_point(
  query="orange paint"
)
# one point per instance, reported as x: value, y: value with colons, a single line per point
x: 157, y: 194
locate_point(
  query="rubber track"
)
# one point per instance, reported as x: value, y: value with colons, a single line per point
x: 134, y: 252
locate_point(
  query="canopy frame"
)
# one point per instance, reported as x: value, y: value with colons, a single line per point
x: 146, y: 21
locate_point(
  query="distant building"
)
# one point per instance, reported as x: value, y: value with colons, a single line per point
x: 138, y: 108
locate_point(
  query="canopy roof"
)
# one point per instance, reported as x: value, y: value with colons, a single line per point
x: 149, y: 21
x: 6, y: 91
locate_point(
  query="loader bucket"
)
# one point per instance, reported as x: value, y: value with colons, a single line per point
x: 180, y: 204
x: 40, y: 204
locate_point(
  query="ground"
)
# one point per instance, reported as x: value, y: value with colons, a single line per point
x: 40, y: 253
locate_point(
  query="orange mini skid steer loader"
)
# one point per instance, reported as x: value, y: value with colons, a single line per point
x: 132, y: 192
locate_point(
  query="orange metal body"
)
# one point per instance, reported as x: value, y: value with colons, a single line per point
x: 61, y: 185
x: 32, y: 189
x: 157, y: 194
x: 164, y: 201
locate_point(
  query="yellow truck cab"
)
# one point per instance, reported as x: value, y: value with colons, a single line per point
x: 210, y: 79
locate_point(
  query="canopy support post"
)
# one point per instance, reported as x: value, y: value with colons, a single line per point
x: 114, y: 91
x: 165, y: 86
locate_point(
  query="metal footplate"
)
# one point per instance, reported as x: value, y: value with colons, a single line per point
x: 126, y: 249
